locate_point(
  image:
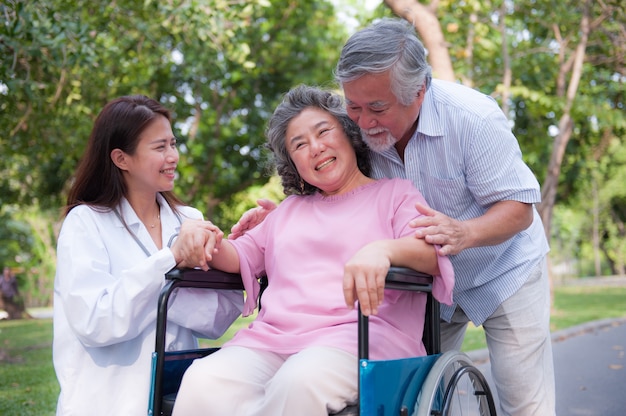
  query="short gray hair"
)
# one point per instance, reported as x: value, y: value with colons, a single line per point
x: 294, y: 102
x: 388, y: 45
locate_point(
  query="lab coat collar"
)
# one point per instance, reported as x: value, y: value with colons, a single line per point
x: 168, y: 218
x: 128, y: 214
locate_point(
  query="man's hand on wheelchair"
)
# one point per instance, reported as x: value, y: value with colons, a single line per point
x: 251, y: 218
x: 364, y: 278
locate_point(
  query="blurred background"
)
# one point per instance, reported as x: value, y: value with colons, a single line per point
x: 557, y: 69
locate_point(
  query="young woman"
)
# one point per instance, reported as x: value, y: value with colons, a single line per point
x: 123, y: 230
x: 332, y: 240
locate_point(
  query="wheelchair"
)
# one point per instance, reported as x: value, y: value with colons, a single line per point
x: 441, y: 384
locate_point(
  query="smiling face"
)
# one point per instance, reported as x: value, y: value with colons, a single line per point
x: 152, y: 167
x: 383, y: 120
x: 322, y: 152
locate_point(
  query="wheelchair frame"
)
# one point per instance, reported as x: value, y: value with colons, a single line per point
x: 435, y: 381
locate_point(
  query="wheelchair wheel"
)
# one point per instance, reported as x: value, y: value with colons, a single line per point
x: 454, y: 387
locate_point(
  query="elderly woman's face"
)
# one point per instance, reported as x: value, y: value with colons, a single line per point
x: 322, y: 152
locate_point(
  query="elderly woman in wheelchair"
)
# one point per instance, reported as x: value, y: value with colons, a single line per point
x: 330, y: 243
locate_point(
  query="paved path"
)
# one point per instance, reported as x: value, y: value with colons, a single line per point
x: 590, y: 368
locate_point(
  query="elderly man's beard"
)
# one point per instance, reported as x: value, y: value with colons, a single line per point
x: 378, y: 144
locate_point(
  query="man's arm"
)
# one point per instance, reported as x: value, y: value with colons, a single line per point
x: 251, y: 218
x: 501, y: 222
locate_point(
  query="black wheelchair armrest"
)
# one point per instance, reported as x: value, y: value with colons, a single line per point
x: 402, y: 278
x: 215, y: 279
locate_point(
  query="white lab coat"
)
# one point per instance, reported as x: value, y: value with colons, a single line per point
x: 105, y: 306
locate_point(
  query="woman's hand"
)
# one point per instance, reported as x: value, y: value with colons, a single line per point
x: 365, y: 273
x: 196, y: 243
x: 364, y: 277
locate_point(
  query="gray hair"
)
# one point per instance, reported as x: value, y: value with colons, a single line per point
x: 294, y: 102
x: 388, y: 45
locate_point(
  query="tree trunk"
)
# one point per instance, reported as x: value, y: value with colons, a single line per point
x: 566, y: 124
x: 550, y: 184
x: 429, y: 29
x: 507, y: 73
x: 595, y: 239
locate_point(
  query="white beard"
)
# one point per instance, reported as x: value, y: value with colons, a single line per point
x: 376, y: 144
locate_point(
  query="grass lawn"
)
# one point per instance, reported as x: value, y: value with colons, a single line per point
x: 573, y: 305
x: 28, y: 386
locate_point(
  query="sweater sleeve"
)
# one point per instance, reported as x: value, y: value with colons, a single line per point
x: 443, y: 284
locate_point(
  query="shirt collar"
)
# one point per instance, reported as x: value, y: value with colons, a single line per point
x: 429, y: 123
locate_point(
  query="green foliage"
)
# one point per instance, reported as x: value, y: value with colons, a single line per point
x: 231, y: 86
x: 45, y: 50
x: 229, y: 213
x: 16, y: 236
x: 567, y: 240
x: 223, y: 66
x: 27, y: 247
x: 220, y: 66
x: 541, y: 38
x: 39, y: 265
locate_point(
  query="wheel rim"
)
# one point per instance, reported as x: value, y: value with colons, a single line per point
x: 454, y: 387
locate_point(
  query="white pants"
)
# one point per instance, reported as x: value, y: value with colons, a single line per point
x: 241, y: 381
x: 520, y: 347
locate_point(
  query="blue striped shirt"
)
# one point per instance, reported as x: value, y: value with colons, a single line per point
x: 464, y: 158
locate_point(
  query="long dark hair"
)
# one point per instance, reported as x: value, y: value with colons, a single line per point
x: 98, y: 182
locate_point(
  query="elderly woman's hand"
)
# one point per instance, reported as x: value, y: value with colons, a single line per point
x: 364, y: 277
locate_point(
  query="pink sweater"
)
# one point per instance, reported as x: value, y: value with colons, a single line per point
x: 303, y: 246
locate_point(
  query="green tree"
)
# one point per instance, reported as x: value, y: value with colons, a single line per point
x: 229, y: 81
x: 557, y: 69
x: 220, y: 66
